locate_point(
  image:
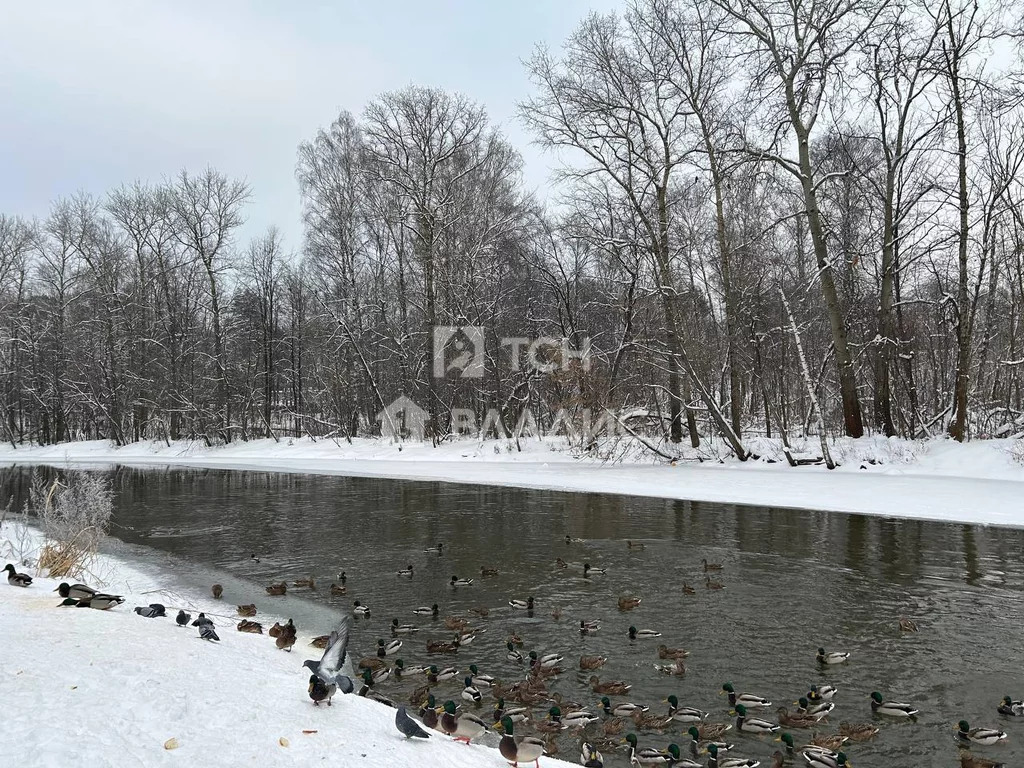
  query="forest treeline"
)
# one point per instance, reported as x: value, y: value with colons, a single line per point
x: 773, y: 217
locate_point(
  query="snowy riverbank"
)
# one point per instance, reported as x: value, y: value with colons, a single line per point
x: 109, y: 688
x: 932, y: 480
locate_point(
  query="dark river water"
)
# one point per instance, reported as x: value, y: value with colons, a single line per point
x: 793, y: 580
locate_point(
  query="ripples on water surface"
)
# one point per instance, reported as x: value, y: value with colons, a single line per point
x: 794, y: 580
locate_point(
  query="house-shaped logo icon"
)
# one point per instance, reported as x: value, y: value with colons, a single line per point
x: 403, y: 420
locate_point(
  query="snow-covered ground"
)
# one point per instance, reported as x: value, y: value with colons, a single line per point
x: 110, y: 688
x: 931, y: 480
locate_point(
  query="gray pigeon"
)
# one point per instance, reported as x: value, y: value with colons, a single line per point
x: 409, y: 727
x: 334, y: 664
x: 183, y: 618
x: 149, y: 611
x: 207, y: 632
x: 202, y: 620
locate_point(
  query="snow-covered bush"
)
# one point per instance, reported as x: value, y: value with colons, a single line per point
x: 74, y: 512
x: 1017, y: 450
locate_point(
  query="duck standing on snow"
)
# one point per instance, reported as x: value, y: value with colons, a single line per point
x: 465, y: 727
x: 321, y: 691
x: 183, y: 618
x: 16, y: 579
x: 78, y: 591
x: 407, y: 726
x: 286, y: 639
x: 528, y: 749
x: 983, y: 736
x: 99, y: 601
x: 331, y: 668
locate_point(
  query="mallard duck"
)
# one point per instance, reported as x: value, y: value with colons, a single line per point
x: 560, y: 563
x: 1010, y: 707
x: 983, y: 736
x: 819, y: 693
x: 858, y: 732
x: 337, y: 589
x: 527, y: 749
x: 466, y: 638
x: 465, y: 727
x: 709, y: 584
x: 481, y: 611
x: 611, y: 687
x: 439, y: 676
x: 276, y: 590
x: 643, y: 634
x: 688, y: 590
x: 678, y: 761
x: 16, y: 579
x: 752, y: 724
x: 677, y: 668
x: 380, y: 675
x: 517, y: 714
x: 714, y: 761
x: 628, y: 603
x: 664, y: 652
x: 620, y: 710
x: 513, y: 654
x: 443, y: 646
x: 425, y: 611
x: 646, y: 721
x: 587, y: 627
x: 428, y: 713
x: 613, y: 727
x: 457, y: 582
x: 253, y: 627
x: 372, y: 663
x: 385, y: 648
x: 320, y: 641
x: 570, y: 540
x: 416, y: 669
x: 748, y: 700
x: 547, y: 661
x: 891, y: 708
x: 481, y: 681
x: 470, y: 692
x: 359, y: 609
x: 635, y: 544
x: 795, y: 720
x: 516, y: 640
x: 485, y: 571
x: 828, y: 742
x: 285, y: 640
x: 308, y: 583
x: 833, y: 657
x: 342, y: 578
x: 276, y: 630
x: 77, y: 591
x: 647, y: 755
x: 778, y: 759
x: 435, y: 550
x: 684, y: 714
x: 247, y: 610
x: 712, y: 731
x: 589, y: 570
x: 403, y: 629
x: 588, y: 663
x: 710, y: 566
x: 577, y: 718
x: 406, y: 573
x: 102, y: 601
x: 522, y: 605
x: 590, y: 757
x: 556, y: 614
x: 817, y: 711
x: 908, y: 625
x: 819, y: 760
x: 967, y: 760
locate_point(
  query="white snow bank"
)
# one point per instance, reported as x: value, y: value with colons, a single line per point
x: 109, y: 688
x: 940, y: 479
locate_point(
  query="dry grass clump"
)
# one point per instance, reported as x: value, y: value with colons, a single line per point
x: 74, y: 512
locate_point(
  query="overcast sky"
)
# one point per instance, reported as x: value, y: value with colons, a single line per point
x: 94, y: 94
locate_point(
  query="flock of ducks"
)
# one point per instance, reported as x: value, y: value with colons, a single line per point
x: 514, y: 703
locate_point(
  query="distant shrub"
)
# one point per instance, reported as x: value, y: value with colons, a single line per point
x: 1017, y: 450
x: 74, y: 512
